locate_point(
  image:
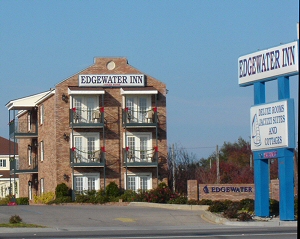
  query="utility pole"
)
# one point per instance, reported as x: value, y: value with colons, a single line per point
x: 173, y: 167
x: 218, y: 165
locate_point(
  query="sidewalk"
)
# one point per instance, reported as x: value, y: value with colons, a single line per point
x: 213, y: 218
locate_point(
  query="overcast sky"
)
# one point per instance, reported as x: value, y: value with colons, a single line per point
x: 192, y: 46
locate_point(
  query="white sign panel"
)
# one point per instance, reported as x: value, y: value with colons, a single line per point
x: 111, y: 80
x: 268, y: 64
x: 269, y: 125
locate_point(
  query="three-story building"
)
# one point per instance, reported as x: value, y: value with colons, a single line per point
x: 104, y: 124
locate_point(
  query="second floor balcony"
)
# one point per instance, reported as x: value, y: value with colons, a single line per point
x: 140, y: 157
x: 17, y: 165
x: 87, y: 157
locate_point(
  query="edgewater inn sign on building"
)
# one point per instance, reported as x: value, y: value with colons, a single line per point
x: 104, y: 124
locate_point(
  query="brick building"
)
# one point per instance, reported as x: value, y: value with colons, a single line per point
x: 104, y: 124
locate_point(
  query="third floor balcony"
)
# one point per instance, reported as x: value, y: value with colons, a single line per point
x: 86, y: 117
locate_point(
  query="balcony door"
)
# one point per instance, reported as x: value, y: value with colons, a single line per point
x: 87, y: 148
x: 140, y: 149
x: 85, y: 108
x: 138, y: 108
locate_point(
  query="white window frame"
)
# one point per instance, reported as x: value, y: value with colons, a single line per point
x: 86, y: 106
x: 83, y: 152
x: 42, y: 114
x: 137, y: 177
x: 30, y: 191
x: 17, y: 163
x: 42, y: 186
x: 138, y: 113
x: 29, y: 121
x: 135, y: 154
x: 85, y: 182
x: 42, y: 150
x: 3, y: 163
x: 29, y: 155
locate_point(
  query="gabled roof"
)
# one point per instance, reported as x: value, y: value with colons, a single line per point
x: 29, y: 101
x: 6, y: 146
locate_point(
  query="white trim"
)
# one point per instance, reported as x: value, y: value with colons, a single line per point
x: 147, y: 174
x: 86, y: 92
x: 86, y: 175
x: 26, y: 102
x: 138, y: 92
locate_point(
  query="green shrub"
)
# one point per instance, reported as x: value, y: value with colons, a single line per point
x: 128, y: 196
x: 247, y: 204
x: 112, y: 190
x: 205, y: 202
x: 217, y: 206
x: 193, y: 202
x: 243, y: 216
x: 274, y: 207
x: 22, y: 201
x: 101, y: 197
x: 62, y: 190
x: 15, y: 219
x: 59, y: 200
x: 4, y: 201
x: 178, y: 200
x: 86, y: 197
x: 140, y: 196
x: 231, y: 211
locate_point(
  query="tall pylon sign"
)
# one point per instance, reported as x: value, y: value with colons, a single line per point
x: 272, y: 124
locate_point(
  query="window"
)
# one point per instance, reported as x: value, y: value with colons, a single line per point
x: 42, y: 150
x: 138, y: 108
x: 87, y: 148
x: 85, y: 108
x: 42, y: 186
x: 29, y: 155
x: 17, y: 164
x: 138, y: 182
x: 87, y: 182
x: 2, y: 163
x: 29, y: 191
x: 29, y: 121
x: 140, y: 147
x: 42, y: 114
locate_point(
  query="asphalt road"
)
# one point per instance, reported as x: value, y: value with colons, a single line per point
x: 105, y: 221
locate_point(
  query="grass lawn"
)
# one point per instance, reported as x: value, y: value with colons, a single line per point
x: 20, y: 224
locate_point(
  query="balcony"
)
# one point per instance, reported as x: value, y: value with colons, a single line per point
x: 140, y: 118
x: 32, y: 167
x: 82, y: 158
x: 140, y: 158
x: 22, y: 128
x: 86, y: 118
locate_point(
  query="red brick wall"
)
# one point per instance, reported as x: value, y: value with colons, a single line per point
x: 233, y: 192
x: 56, y: 122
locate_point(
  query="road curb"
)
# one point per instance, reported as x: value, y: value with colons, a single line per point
x: 213, y: 218
x: 170, y: 206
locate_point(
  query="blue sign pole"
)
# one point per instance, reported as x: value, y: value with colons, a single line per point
x: 285, y: 163
x: 286, y: 184
x: 261, y: 168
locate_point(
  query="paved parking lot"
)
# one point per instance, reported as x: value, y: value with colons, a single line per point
x: 72, y: 216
